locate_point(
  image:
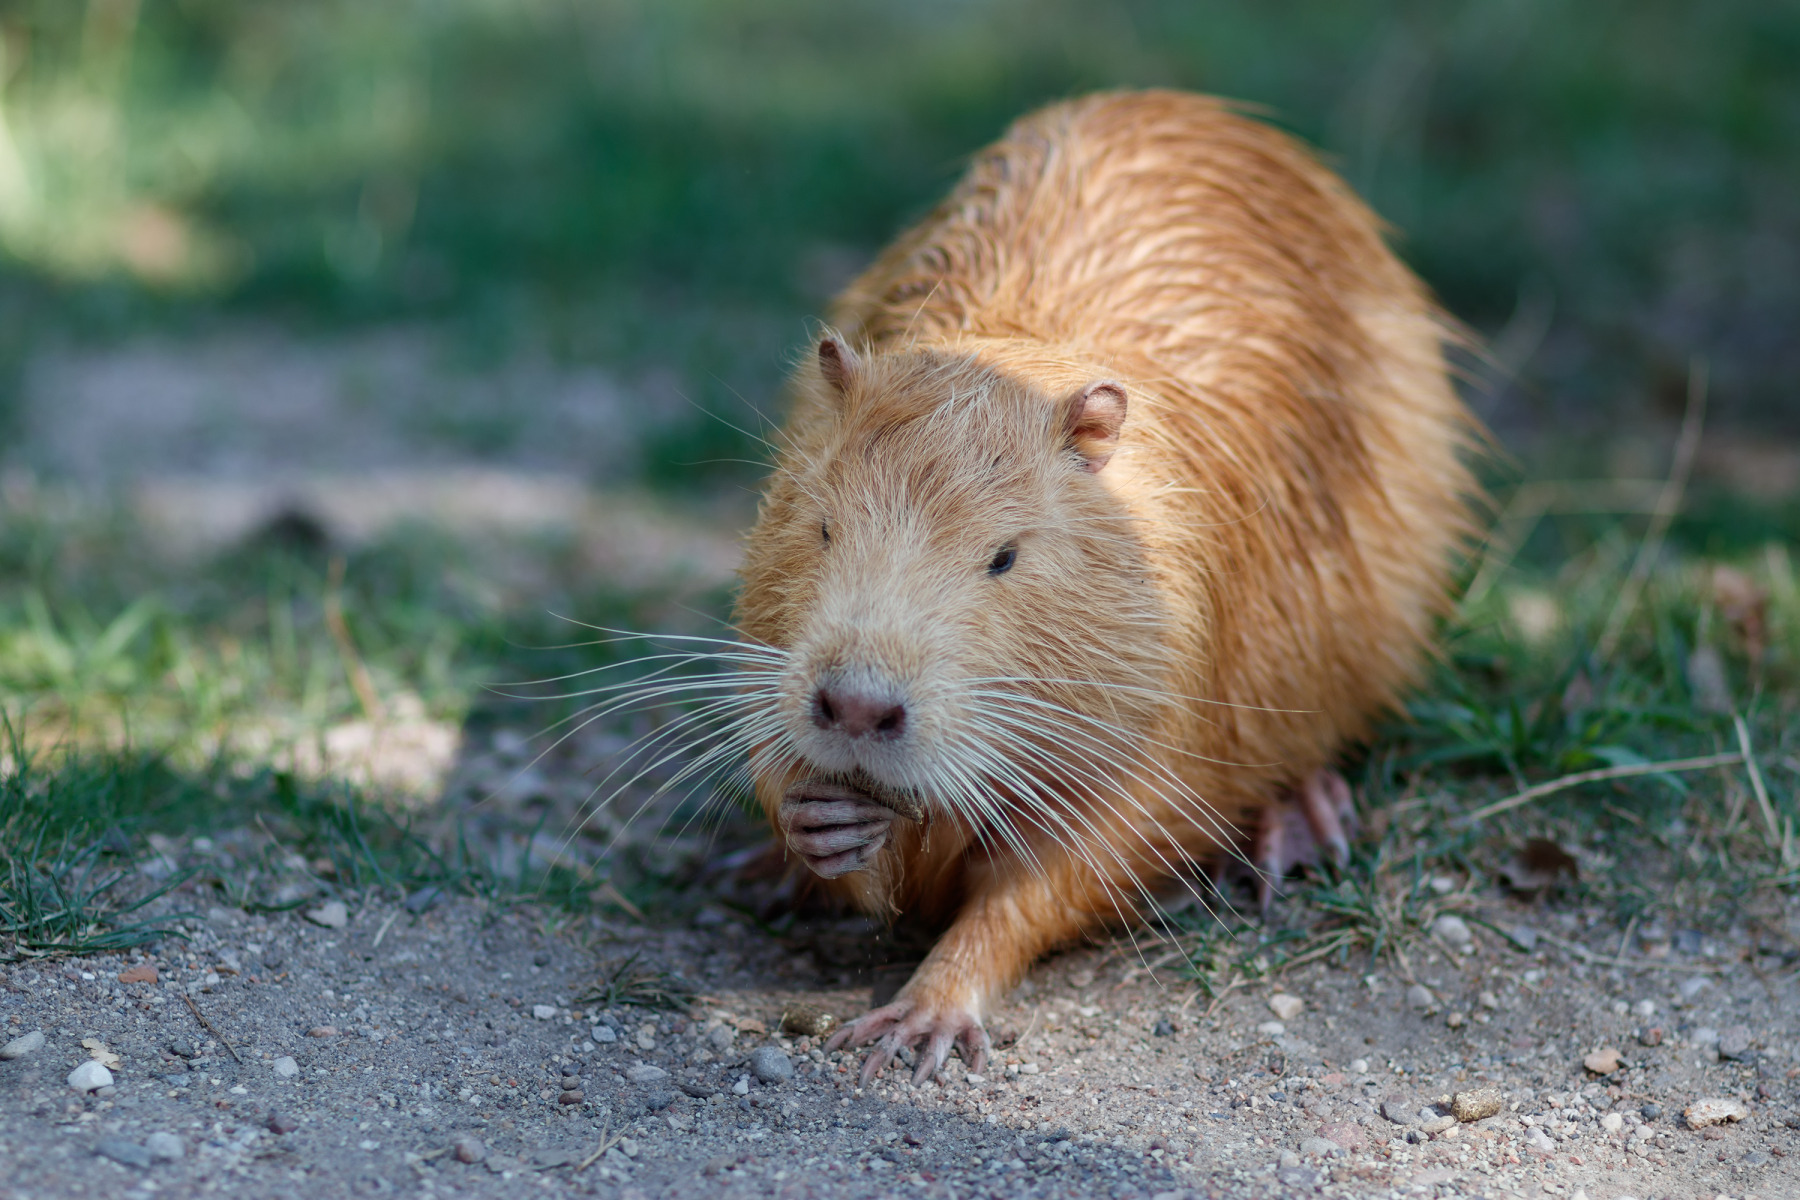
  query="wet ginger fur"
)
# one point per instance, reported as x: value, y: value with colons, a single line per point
x: 1123, y: 495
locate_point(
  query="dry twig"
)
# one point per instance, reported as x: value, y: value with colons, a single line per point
x: 210, y: 1027
x: 1564, y: 783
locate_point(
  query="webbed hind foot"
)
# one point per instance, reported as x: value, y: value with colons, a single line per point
x: 1302, y: 829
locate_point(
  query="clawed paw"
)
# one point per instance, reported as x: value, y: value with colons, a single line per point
x: 911, y: 1022
x: 833, y: 828
x: 1304, y: 829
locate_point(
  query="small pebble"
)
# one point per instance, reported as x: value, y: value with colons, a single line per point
x: 143, y: 973
x: 1489, y: 1000
x: 1437, y: 1125
x: 543, y: 1012
x: 742, y: 1086
x: 1285, y: 1007
x: 1734, y: 1042
x: 571, y: 1096
x: 123, y: 1151
x: 89, y: 1076
x: 1524, y: 937
x: 1453, y: 929
x: 1455, y: 1020
x: 182, y: 1048
x: 657, y: 1101
x: 1347, y: 1134
x: 322, y: 1031
x: 603, y: 1034
x: 421, y: 900
x: 279, y: 1122
x: 332, y: 915
x: 1163, y: 1028
x: 286, y: 1066
x: 1271, y: 1029
x: 1651, y: 1112
x: 720, y: 1037
x: 645, y: 1073
x: 1476, y: 1104
x: 1612, y: 1122
x: 807, y: 1020
x: 770, y: 1065
x: 1650, y: 1036
x: 22, y: 1045
x: 1644, y: 1008
x: 1419, y: 996
x: 469, y: 1150
x: 1714, y: 1110
x: 165, y: 1146
x: 1693, y: 986
x: 1359, y: 1066
x: 1319, y: 1146
x: 1401, y: 1110
x: 1602, y: 1062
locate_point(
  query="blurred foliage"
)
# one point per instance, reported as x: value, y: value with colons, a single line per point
x: 1609, y: 182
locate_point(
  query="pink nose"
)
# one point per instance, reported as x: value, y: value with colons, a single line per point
x: 856, y: 713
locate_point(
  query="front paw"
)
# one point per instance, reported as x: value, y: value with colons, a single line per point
x: 911, y: 1019
x: 835, y: 829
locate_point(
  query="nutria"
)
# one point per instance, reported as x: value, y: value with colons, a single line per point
x: 1120, y: 496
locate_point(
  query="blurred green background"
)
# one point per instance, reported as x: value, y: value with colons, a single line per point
x: 1607, y: 188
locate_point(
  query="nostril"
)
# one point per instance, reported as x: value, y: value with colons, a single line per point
x: 857, y: 714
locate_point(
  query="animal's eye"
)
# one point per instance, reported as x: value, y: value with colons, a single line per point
x: 825, y: 533
x: 1004, y: 559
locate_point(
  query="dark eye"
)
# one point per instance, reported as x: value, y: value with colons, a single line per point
x: 825, y: 533
x: 1004, y: 559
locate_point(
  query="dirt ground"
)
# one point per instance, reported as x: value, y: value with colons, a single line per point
x: 373, y: 1058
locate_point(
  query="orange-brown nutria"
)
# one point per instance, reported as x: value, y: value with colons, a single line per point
x: 1122, y: 497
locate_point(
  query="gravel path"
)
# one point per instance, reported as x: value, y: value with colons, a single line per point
x: 379, y: 1056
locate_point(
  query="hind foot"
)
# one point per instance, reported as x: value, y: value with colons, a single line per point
x: 917, y: 1017
x: 1302, y: 829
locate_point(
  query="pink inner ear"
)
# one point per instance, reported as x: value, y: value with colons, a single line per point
x: 837, y: 362
x: 1094, y: 418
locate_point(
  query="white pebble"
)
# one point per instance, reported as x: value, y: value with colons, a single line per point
x: 89, y: 1076
x: 1286, y: 1007
x: 1612, y: 1122
x: 604, y: 1035
x: 1271, y: 1029
x: 742, y: 1086
x: 1359, y: 1066
x: 1453, y: 929
x: 332, y: 915
x: 645, y: 1073
x: 1644, y: 1008
x: 286, y: 1067
x: 543, y: 1012
x: 22, y: 1045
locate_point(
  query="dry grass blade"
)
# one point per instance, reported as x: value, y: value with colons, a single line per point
x: 629, y: 982
x: 1599, y: 774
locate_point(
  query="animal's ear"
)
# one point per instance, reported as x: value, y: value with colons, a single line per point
x: 838, y: 363
x: 1091, y: 421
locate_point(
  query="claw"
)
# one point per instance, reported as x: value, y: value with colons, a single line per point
x: 906, y: 1023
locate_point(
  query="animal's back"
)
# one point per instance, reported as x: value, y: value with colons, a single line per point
x: 1295, y: 471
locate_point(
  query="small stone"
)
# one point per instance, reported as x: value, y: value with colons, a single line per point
x: 645, y: 1073
x: 1651, y: 1036
x: 280, y: 1122
x: 322, y: 1031
x: 1540, y: 1141
x: 1612, y: 1122
x: 1271, y: 1029
x: 89, y: 1076
x: 1285, y: 1007
x: 770, y: 1065
x: 286, y: 1066
x: 807, y: 1020
x: 1419, y: 996
x: 1319, y: 1146
x: 469, y: 1150
x: 604, y: 1035
x: 1476, y: 1104
x: 543, y: 1012
x: 165, y: 1146
x: 1453, y: 929
x: 571, y: 1096
x: 143, y: 973
x: 1714, y: 1110
x: 1644, y: 1008
x: 1401, y: 1110
x: 1524, y: 937
x: 1347, y: 1134
x: 1438, y: 1125
x: 1163, y: 1028
x: 657, y: 1101
x: 1734, y: 1042
x: 1602, y: 1062
x: 742, y: 1086
x: 1359, y: 1066
x: 1489, y: 1000
x: 332, y: 915
x: 1455, y: 1020
x: 183, y: 1048
x: 1651, y: 1112
x: 699, y: 1091
x: 1705, y: 1035
x: 421, y: 900
x: 553, y: 1157
x: 22, y: 1045
x: 123, y: 1151
x: 500, y: 1164
x: 720, y: 1037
